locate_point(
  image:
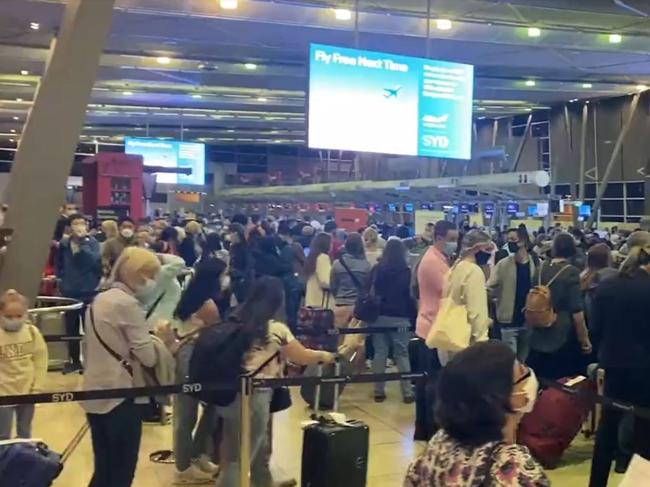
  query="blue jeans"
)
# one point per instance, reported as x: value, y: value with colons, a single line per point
x: 190, y: 444
x: 260, y: 415
x: 24, y: 416
x: 518, y: 339
x: 381, y: 343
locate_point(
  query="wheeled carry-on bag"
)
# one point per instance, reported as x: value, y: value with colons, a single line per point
x: 28, y: 463
x: 556, y: 420
x: 334, y: 454
x: 329, y: 393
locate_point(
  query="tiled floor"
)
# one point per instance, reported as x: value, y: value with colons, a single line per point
x: 391, y: 428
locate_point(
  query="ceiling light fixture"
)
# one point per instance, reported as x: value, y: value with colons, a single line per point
x: 530, y: 82
x: 262, y: 99
x: 163, y: 60
x: 615, y: 38
x: 201, y: 66
x: 444, y: 24
x: 250, y: 66
x: 24, y: 72
x: 534, y: 32
x: 641, y: 87
x: 34, y: 25
x: 19, y: 100
x: 127, y: 93
x: 197, y: 96
x: 228, y: 4
x: 13, y: 131
x: 16, y: 118
x: 587, y: 85
x: 342, y: 14
x: 12, y: 140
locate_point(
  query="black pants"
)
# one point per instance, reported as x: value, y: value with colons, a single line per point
x: 631, y: 386
x: 73, y: 319
x: 425, y: 390
x: 116, y: 445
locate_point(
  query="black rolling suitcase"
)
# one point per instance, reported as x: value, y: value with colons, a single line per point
x: 333, y: 454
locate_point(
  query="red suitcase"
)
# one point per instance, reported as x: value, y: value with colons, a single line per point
x: 556, y: 420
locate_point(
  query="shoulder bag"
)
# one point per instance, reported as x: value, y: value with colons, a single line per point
x: 122, y: 361
x: 368, y: 306
x: 451, y: 330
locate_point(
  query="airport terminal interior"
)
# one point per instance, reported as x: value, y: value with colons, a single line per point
x: 234, y: 132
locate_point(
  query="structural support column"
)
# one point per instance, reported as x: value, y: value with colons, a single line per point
x: 583, y: 151
x: 522, y: 143
x: 610, y: 165
x: 46, y: 151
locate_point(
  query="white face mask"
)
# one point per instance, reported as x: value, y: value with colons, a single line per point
x: 126, y: 232
x: 531, y: 389
x: 80, y: 230
x: 12, y: 325
x: 144, y: 291
x: 450, y: 248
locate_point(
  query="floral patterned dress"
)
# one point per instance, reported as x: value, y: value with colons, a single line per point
x: 447, y: 463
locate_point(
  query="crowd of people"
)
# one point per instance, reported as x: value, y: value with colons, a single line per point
x: 150, y: 288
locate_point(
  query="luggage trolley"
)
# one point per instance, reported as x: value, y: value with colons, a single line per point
x: 49, y: 317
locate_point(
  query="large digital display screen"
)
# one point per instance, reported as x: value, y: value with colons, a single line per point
x: 375, y: 102
x: 188, y: 157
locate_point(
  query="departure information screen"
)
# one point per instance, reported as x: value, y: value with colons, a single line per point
x: 171, y: 154
x: 375, y: 102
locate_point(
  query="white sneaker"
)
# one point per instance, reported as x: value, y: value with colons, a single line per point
x: 192, y: 475
x: 206, y: 465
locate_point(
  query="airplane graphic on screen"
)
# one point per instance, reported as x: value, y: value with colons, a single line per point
x: 434, y: 119
x: 392, y: 92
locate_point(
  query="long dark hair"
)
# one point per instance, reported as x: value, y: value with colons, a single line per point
x: 394, y: 256
x: 211, y: 244
x: 320, y: 244
x: 204, y: 285
x: 354, y: 246
x: 262, y: 304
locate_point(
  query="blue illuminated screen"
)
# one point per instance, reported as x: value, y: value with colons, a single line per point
x: 376, y: 102
x: 173, y: 154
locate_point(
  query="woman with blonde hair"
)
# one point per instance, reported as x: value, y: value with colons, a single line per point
x: 109, y: 229
x: 371, y: 245
x: 117, y: 346
x: 621, y: 310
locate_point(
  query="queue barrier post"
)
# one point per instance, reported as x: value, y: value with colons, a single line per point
x: 246, y: 393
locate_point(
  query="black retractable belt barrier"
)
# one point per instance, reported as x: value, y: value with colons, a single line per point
x: 642, y: 412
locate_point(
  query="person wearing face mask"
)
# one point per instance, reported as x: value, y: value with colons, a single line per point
x: 510, y: 281
x: 113, y: 247
x: 23, y: 363
x: 430, y: 274
x: 79, y: 270
x: 117, y: 346
x: 466, y: 285
x: 483, y: 393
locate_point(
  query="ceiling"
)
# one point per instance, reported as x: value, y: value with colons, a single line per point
x: 208, y: 93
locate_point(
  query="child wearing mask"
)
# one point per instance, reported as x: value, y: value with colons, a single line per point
x: 23, y: 363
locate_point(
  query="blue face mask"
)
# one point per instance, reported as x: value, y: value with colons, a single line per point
x: 450, y: 248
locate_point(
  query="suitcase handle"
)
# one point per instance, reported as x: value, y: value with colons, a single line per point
x: 337, y: 386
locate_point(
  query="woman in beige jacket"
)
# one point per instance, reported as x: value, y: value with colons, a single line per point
x: 317, y: 270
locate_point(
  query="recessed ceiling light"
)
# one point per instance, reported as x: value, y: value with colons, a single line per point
x: 615, y: 38
x: 231, y: 131
x: 24, y: 72
x: 12, y: 140
x: 587, y: 85
x: 16, y: 118
x: 34, y: 25
x: 13, y: 131
x: 19, y: 99
x: 250, y: 66
x: 342, y: 14
x: 163, y: 60
x: 262, y: 99
x: 481, y: 109
x: 443, y: 24
x: 528, y: 109
x: 228, y: 4
x: 641, y: 87
x: 530, y: 82
x: 127, y: 93
x: 201, y: 66
x: 534, y: 32
x: 196, y: 95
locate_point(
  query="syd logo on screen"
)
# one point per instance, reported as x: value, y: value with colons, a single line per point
x: 435, y: 141
x: 392, y: 92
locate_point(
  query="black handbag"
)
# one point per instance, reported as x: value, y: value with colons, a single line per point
x: 367, y: 306
x: 281, y: 399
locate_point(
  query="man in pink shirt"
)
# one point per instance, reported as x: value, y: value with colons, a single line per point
x: 431, y: 274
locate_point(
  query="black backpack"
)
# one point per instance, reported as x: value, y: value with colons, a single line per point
x: 217, y: 357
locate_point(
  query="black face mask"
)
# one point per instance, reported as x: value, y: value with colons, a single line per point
x: 513, y: 247
x: 482, y: 258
